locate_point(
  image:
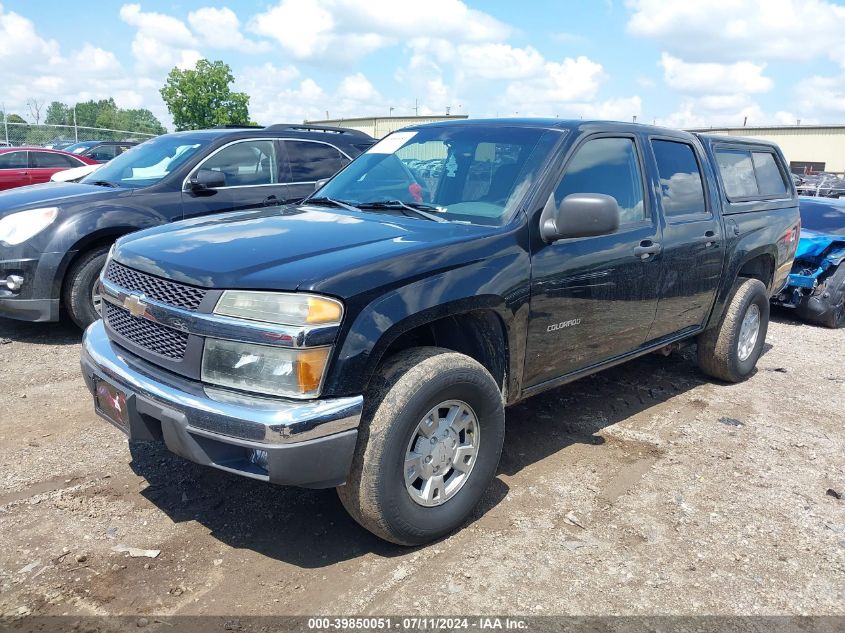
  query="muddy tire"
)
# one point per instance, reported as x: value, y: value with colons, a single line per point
x: 79, y: 287
x: 428, y: 446
x: 730, y: 351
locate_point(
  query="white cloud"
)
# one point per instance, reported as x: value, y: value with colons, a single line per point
x: 19, y: 43
x: 161, y: 41
x: 345, y: 30
x: 727, y: 30
x: 712, y: 78
x: 571, y: 80
x: 821, y: 97
x: 34, y: 67
x: 499, y: 61
x: 724, y: 110
x: 221, y: 28
x: 357, y: 88
x: 278, y: 95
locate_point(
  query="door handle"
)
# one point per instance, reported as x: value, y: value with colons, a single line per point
x: 646, y: 249
x: 709, y: 238
x: 269, y: 201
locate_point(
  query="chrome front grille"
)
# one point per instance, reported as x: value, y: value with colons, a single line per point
x: 162, y: 290
x: 150, y: 336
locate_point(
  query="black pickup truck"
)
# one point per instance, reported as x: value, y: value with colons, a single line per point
x: 370, y: 337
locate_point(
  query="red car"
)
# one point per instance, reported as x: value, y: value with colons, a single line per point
x: 21, y: 166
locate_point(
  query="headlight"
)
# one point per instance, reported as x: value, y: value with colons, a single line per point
x: 278, y: 371
x: 278, y: 307
x: 17, y: 228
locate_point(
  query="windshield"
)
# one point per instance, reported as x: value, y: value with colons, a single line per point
x: 466, y: 173
x: 149, y: 162
x: 823, y: 217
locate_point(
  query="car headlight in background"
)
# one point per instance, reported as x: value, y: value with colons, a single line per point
x: 277, y: 371
x: 17, y: 228
x: 281, y: 308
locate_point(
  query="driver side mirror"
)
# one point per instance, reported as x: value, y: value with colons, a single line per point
x: 581, y: 215
x: 206, y: 179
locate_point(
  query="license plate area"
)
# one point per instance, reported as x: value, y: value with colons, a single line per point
x: 111, y: 403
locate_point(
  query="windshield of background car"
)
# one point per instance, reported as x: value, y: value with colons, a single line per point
x: 823, y: 217
x: 149, y: 162
x: 467, y: 173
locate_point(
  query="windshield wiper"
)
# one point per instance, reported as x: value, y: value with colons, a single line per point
x: 337, y: 203
x: 417, y: 208
x: 102, y: 183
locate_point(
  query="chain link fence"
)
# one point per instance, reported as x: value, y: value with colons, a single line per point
x: 58, y: 136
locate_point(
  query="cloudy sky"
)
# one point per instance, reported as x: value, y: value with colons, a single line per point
x: 680, y: 63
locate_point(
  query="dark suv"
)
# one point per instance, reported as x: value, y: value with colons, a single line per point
x: 54, y: 237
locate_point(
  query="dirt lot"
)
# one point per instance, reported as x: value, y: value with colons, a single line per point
x: 643, y: 490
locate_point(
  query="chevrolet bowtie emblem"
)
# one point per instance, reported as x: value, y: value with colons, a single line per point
x: 135, y: 305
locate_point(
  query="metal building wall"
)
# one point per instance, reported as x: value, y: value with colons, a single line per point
x: 804, y: 143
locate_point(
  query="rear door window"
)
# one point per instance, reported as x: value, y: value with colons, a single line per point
x: 681, y: 188
x: 769, y: 179
x: 46, y: 160
x: 310, y: 161
x: 747, y: 174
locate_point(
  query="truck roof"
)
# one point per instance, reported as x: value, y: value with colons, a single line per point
x: 554, y: 123
x: 734, y: 140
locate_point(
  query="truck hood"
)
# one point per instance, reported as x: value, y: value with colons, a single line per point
x: 52, y: 194
x: 296, y: 247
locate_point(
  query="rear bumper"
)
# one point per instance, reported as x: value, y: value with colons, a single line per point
x: 304, y: 443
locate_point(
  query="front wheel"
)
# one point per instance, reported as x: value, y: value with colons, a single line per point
x: 428, y: 446
x: 731, y: 350
x: 81, y: 295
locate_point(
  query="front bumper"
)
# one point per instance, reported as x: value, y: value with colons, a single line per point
x: 38, y: 299
x: 307, y: 443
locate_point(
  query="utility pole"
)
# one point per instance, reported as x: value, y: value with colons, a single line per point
x: 6, y: 123
x: 390, y: 111
x: 416, y: 106
x: 75, y: 130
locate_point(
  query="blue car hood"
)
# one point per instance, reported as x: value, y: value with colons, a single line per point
x: 813, y: 244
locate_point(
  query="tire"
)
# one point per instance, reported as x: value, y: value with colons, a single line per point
x: 719, y: 348
x: 79, y: 286
x: 407, y: 387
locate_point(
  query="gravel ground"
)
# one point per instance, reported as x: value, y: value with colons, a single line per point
x: 646, y: 489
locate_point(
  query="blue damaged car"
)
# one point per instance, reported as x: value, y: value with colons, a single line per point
x: 816, y: 286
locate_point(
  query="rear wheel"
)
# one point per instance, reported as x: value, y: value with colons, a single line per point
x: 81, y: 295
x: 428, y: 446
x: 731, y: 350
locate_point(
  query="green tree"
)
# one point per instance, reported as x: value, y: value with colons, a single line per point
x: 88, y: 112
x: 58, y: 114
x: 202, y: 97
x: 139, y: 120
